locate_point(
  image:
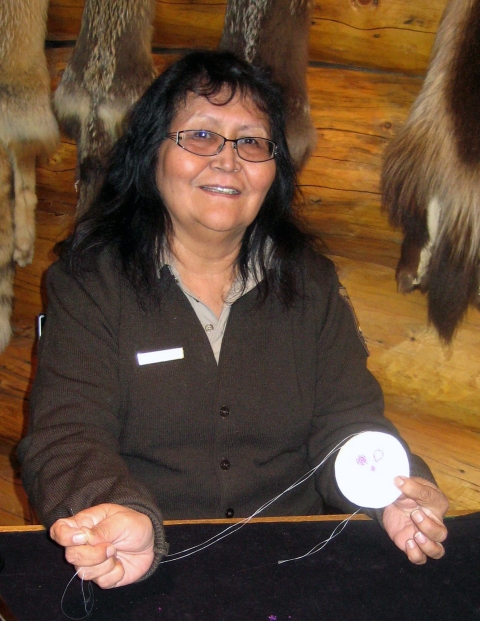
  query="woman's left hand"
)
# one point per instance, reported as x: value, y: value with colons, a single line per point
x: 415, y: 521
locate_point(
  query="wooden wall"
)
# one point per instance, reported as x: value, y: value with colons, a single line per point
x: 393, y: 35
x: 367, y: 62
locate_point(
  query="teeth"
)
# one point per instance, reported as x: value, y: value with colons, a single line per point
x: 219, y: 189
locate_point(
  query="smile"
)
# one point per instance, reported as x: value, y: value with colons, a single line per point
x: 220, y: 190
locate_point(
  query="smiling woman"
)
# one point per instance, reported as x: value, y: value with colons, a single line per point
x: 211, y: 200
x: 199, y: 356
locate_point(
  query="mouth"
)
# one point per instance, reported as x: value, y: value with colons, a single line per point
x: 218, y: 189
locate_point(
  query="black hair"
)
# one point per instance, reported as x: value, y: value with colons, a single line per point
x: 129, y: 216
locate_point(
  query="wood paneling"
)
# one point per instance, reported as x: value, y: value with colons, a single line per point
x: 379, y: 34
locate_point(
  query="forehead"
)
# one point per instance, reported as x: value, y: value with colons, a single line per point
x: 222, y: 107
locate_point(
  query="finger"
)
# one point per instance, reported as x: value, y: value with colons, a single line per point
x: 88, y: 556
x: 431, y: 549
x: 107, y: 575
x: 430, y: 526
x: 424, y: 494
x: 96, y: 571
x: 414, y: 553
x: 66, y: 533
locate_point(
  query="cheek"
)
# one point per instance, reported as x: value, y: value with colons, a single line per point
x: 262, y: 181
x: 172, y: 174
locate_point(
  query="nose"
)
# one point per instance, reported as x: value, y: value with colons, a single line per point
x: 228, y: 158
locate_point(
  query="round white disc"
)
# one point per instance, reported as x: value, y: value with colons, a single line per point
x: 366, y: 466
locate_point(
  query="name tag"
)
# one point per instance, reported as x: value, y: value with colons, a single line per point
x: 163, y: 355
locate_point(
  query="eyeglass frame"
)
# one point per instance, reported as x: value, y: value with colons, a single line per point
x: 175, y: 136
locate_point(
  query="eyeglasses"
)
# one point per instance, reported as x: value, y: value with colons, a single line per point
x: 207, y: 143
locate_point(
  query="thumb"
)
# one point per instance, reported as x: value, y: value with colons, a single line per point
x: 100, y: 533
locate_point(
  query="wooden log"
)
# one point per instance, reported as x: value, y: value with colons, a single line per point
x: 393, y: 36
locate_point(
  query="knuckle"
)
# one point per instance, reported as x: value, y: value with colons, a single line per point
x: 427, y: 494
x: 105, y: 582
x: 72, y: 556
x: 440, y: 552
x: 441, y: 535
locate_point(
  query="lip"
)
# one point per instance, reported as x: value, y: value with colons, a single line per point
x: 221, y: 190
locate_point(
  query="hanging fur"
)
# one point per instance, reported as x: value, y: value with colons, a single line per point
x: 431, y: 175
x: 274, y: 33
x: 110, y: 68
x: 27, y: 130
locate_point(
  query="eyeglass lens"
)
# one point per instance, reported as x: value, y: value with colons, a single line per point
x: 201, y: 142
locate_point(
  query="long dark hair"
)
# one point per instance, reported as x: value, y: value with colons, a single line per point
x: 129, y: 216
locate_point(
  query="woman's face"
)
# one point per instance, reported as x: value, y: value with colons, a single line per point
x: 209, y: 197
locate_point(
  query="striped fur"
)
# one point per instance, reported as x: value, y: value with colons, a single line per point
x: 274, y: 34
x: 431, y: 175
x: 110, y: 68
x: 28, y: 130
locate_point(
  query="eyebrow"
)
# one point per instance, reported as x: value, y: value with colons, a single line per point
x: 208, y: 117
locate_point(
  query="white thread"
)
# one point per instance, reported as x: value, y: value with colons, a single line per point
x: 86, y: 600
x: 336, y: 531
x: 230, y: 530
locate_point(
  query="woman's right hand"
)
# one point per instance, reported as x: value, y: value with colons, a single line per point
x: 108, y: 543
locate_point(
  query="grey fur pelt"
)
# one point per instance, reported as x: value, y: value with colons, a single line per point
x: 431, y: 175
x: 110, y: 68
x: 27, y: 130
x: 274, y: 33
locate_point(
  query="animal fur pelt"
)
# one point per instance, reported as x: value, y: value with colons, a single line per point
x: 274, y: 34
x: 110, y: 68
x: 431, y: 175
x: 27, y: 130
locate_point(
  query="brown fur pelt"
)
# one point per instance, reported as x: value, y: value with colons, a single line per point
x: 431, y: 175
x: 110, y: 68
x: 274, y: 34
x: 27, y: 130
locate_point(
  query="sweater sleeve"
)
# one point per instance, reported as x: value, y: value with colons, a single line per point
x: 70, y: 457
x: 349, y: 399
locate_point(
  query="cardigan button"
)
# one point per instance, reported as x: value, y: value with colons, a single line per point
x: 224, y: 411
x: 224, y: 464
x: 229, y: 513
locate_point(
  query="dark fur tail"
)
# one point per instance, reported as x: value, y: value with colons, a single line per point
x: 453, y: 285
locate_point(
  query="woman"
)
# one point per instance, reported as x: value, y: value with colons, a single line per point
x: 198, y: 355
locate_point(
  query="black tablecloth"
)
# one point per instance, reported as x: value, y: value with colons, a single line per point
x: 359, y: 576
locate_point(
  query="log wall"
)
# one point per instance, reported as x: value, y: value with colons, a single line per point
x: 367, y: 61
x: 392, y: 35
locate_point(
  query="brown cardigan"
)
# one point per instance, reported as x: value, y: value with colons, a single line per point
x: 197, y: 439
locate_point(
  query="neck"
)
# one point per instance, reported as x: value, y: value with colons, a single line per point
x: 206, y: 259
x: 207, y: 271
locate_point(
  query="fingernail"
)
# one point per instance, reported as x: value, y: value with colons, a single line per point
x: 417, y: 516
x: 399, y: 481
x: 111, y: 551
x: 420, y: 537
x: 411, y: 544
x: 79, y: 538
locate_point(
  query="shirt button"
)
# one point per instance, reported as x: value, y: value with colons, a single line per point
x: 209, y: 327
x: 224, y: 464
x: 229, y: 513
x: 224, y: 411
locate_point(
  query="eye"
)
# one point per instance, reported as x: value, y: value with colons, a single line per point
x: 251, y: 142
x: 201, y: 134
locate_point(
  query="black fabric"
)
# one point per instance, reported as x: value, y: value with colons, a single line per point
x: 359, y: 576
